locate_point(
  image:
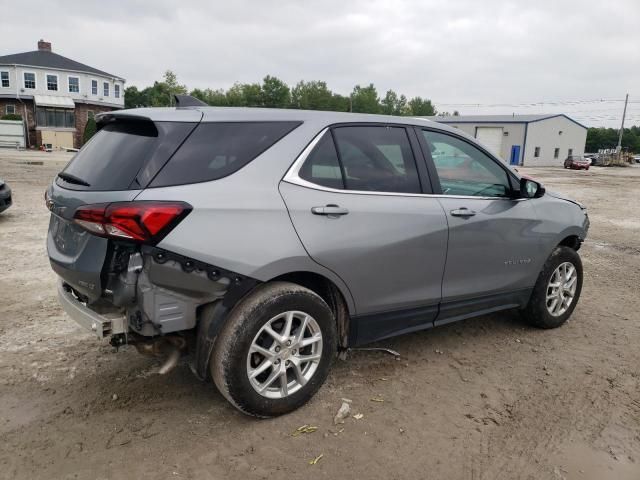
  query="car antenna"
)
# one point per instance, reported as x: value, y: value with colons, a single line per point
x: 188, y: 101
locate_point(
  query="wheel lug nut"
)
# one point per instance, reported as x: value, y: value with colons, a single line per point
x: 288, y: 343
x: 277, y: 362
x: 277, y: 349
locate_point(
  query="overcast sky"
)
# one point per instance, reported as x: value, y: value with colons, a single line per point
x: 455, y: 52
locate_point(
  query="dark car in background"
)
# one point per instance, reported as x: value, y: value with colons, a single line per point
x: 5, y: 196
x: 577, y: 162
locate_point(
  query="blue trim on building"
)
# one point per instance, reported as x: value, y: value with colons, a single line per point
x: 524, y: 143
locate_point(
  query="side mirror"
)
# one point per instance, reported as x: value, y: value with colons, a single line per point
x: 530, y: 188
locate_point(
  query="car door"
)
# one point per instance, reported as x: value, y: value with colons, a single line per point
x: 494, y: 253
x: 356, y: 199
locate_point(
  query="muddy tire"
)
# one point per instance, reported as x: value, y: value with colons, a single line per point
x: 557, y: 290
x: 275, y: 349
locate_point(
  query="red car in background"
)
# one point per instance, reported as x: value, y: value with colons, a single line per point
x: 577, y: 162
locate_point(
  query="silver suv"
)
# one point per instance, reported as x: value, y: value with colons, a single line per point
x: 261, y: 242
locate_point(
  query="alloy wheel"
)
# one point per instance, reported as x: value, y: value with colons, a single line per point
x: 284, y: 354
x: 561, y: 289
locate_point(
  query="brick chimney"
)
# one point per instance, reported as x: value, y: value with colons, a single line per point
x: 44, y: 46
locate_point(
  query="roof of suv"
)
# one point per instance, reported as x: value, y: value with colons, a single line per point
x: 244, y: 114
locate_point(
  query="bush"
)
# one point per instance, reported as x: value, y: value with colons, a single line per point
x: 89, y: 130
x: 11, y: 116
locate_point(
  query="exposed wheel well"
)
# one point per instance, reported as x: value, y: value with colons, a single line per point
x: 572, y: 241
x: 331, y: 294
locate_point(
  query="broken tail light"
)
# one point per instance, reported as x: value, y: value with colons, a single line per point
x: 143, y: 221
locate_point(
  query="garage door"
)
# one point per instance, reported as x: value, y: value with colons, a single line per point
x: 491, y: 138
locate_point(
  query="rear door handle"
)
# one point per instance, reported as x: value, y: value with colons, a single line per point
x: 462, y: 212
x: 329, y: 210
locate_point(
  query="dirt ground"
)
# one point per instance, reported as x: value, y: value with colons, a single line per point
x: 488, y: 398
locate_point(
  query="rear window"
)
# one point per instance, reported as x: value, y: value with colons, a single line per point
x: 124, y: 155
x: 215, y: 150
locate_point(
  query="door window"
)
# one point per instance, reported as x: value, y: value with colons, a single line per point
x: 464, y: 169
x: 377, y: 159
x: 322, y: 167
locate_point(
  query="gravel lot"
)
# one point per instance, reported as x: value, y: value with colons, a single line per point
x: 488, y: 398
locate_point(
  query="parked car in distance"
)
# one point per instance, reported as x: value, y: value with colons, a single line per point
x: 577, y: 162
x: 5, y: 196
x: 636, y: 158
x: 263, y: 241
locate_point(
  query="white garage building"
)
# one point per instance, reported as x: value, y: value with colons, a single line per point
x: 531, y: 140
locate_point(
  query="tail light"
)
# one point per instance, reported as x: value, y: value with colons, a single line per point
x: 144, y: 221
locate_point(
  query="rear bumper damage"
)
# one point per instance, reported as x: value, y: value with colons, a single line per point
x: 153, y: 301
x: 101, y: 325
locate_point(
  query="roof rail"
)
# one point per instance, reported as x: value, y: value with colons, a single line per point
x: 189, y: 101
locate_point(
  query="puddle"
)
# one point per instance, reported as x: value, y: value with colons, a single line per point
x: 581, y: 462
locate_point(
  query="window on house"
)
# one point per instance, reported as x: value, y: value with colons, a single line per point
x: 556, y: 153
x: 105, y: 88
x: 74, y: 85
x: 4, y: 78
x: 55, y: 117
x: 10, y: 109
x: 52, y: 82
x: 116, y: 91
x: 94, y: 87
x: 570, y: 152
x: 29, y: 80
x: 536, y: 152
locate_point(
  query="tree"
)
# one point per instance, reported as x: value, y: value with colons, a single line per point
x: 235, y: 96
x: 252, y: 94
x: 392, y: 104
x: 365, y: 99
x: 134, y: 98
x: 89, y: 130
x: 312, y: 96
x: 216, y: 98
x: 421, y: 107
x: 172, y: 87
x: 275, y: 93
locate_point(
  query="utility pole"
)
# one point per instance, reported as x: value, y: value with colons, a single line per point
x: 624, y: 113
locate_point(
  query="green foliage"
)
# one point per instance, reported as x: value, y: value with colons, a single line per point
x: 89, y: 130
x: 365, y: 99
x: 274, y: 93
x: 601, y: 138
x: 215, y: 98
x: 421, y: 107
x: 312, y: 95
x: 11, y: 116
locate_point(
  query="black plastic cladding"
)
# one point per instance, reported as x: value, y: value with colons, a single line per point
x: 240, y: 284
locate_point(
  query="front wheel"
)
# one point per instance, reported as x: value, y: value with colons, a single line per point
x: 275, y: 350
x: 556, y: 291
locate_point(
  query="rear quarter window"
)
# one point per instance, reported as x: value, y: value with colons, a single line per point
x: 125, y: 155
x: 216, y: 150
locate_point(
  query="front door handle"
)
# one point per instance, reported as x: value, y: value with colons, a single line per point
x: 462, y: 212
x: 329, y: 210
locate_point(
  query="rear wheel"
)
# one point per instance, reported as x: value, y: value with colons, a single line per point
x: 275, y: 350
x: 557, y: 290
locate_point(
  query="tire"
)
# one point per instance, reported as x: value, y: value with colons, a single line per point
x: 537, y: 312
x: 244, y: 329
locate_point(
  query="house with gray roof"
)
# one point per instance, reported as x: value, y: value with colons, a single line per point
x: 55, y: 95
x: 531, y: 140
